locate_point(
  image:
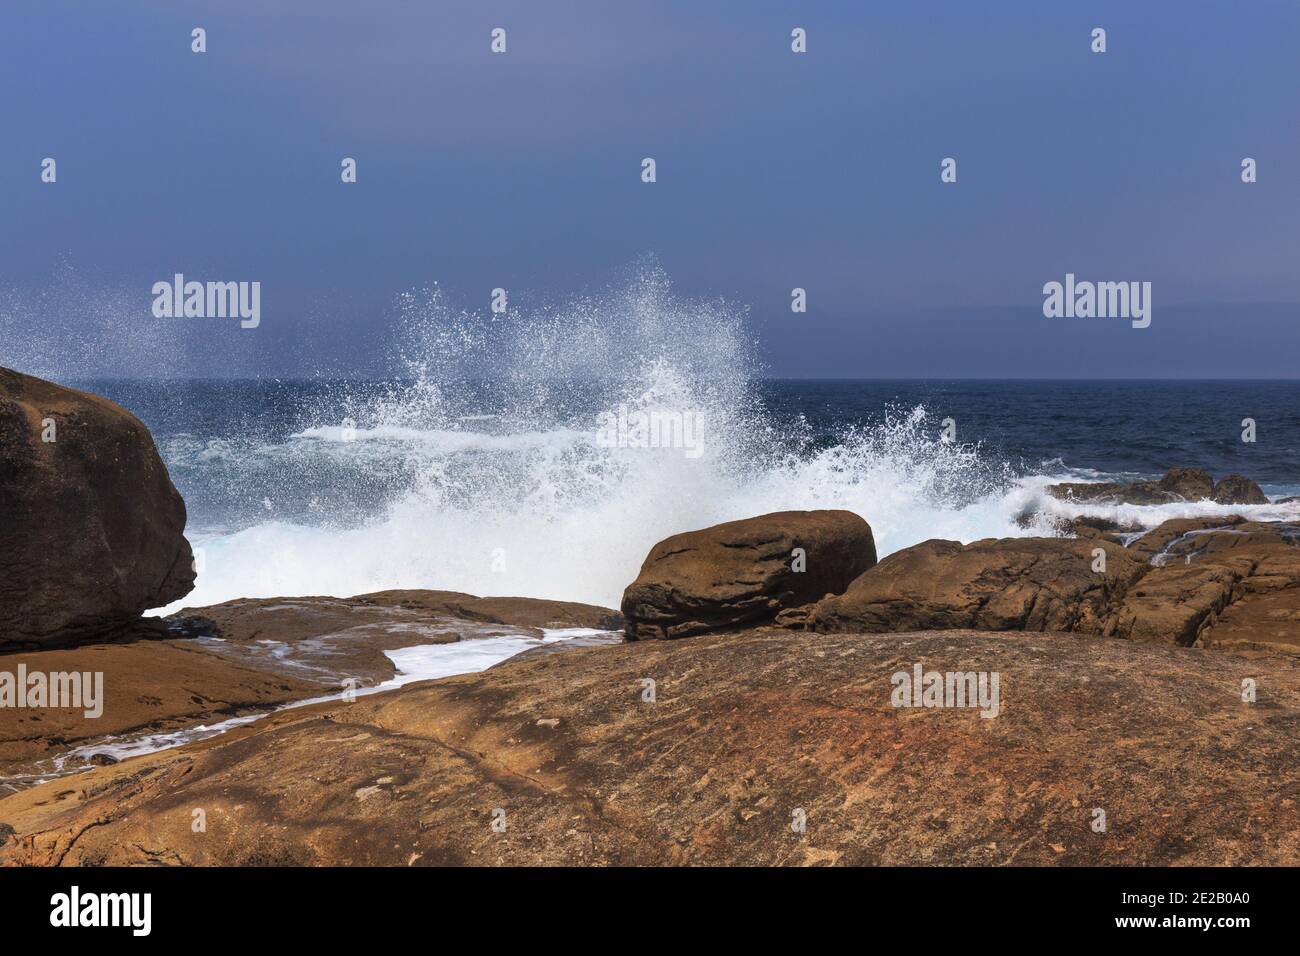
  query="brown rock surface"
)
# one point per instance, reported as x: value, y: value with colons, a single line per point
x: 91, y: 528
x: 1172, y: 604
x: 384, y: 614
x: 741, y: 572
x: 254, y: 655
x: 1219, y: 581
x: 1265, y: 611
x: 147, y: 685
x: 1228, y: 584
x: 1090, y: 526
x: 1033, y: 584
x: 746, y: 729
x: 1099, y: 491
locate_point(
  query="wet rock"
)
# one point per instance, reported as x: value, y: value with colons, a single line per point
x: 1103, y: 525
x: 745, y: 572
x: 1159, y: 540
x: 1178, y: 484
x: 1089, y: 526
x: 1238, y: 490
x: 1221, y: 583
x: 1105, y: 492
x: 390, y: 617
x: 191, y: 625
x: 1112, y: 493
x: 244, y: 657
x: 1189, y: 484
x: 153, y: 685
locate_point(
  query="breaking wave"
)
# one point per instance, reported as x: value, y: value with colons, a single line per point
x: 517, y: 456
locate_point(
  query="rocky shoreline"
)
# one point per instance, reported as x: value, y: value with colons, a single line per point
x: 749, y: 716
x: 245, y: 658
x: 748, y: 732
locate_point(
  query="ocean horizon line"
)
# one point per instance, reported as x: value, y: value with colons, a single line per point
x: 301, y: 379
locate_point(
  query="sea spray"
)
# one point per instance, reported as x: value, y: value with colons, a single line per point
x: 483, y: 469
x: 488, y: 472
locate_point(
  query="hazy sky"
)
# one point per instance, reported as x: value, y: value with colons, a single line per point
x: 775, y: 170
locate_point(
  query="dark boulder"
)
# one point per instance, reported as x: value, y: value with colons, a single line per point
x: 1238, y: 490
x: 1190, y: 484
x: 91, y: 528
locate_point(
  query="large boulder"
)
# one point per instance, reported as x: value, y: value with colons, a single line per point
x: 1190, y: 484
x: 1238, y: 490
x: 745, y: 572
x: 90, y: 524
x: 998, y: 584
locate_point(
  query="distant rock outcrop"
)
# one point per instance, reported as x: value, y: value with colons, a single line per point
x: 91, y: 528
x: 1178, y: 484
x: 745, y: 572
x: 1238, y: 490
x: 1111, y: 493
x: 1189, y: 484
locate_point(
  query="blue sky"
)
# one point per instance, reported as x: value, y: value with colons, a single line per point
x: 775, y: 170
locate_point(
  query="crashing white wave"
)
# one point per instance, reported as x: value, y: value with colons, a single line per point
x: 529, y: 496
x: 573, y: 520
